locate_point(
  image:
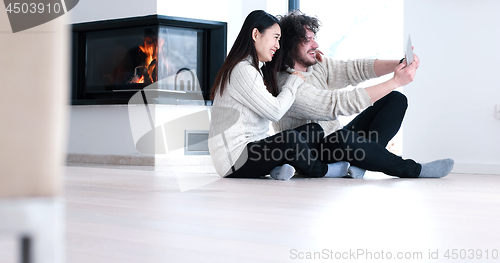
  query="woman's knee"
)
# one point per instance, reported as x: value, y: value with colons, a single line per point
x: 315, y: 127
x: 310, y: 128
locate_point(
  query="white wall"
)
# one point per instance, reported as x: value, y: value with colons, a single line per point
x: 233, y: 12
x: 452, y: 100
x: 92, y: 10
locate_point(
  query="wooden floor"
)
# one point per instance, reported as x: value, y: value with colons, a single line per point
x: 189, y: 214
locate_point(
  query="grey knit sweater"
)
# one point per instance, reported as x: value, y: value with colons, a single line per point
x: 322, y: 97
x: 242, y: 114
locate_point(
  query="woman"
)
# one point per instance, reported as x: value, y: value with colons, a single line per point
x: 246, y: 98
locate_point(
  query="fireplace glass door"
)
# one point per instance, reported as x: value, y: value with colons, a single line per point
x: 131, y: 59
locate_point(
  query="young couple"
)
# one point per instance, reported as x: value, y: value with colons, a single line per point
x: 274, y: 73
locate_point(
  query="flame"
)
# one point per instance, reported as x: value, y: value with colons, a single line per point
x: 150, y: 48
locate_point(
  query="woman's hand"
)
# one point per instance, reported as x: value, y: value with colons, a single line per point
x: 297, y: 73
x: 319, y: 55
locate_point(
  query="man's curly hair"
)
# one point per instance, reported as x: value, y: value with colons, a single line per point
x: 293, y: 33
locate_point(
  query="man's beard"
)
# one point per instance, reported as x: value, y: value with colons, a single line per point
x: 304, y: 61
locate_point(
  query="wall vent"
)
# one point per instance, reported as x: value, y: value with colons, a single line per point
x: 196, y: 143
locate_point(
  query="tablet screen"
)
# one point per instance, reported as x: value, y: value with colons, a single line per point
x: 409, y: 52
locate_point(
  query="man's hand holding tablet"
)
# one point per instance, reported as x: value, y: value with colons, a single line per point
x: 404, y: 73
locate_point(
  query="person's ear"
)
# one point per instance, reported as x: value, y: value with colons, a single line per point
x: 255, y: 33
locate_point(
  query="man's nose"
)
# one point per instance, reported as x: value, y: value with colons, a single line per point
x: 315, y: 44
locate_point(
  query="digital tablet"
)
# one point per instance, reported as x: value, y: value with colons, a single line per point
x: 409, y: 52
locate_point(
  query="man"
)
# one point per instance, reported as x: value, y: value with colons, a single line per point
x: 321, y: 98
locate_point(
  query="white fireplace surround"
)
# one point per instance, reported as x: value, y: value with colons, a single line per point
x: 103, y: 134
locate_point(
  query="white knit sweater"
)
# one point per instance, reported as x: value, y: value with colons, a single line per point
x: 322, y: 97
x: 242, y: 114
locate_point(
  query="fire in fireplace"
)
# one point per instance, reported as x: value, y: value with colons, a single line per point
x: 113, y: 59
x: 140, y: 64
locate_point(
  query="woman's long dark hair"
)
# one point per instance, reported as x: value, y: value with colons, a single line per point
x: 243, y: 47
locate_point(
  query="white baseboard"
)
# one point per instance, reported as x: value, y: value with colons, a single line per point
x: 158, y: 160
x: 111, y: 159
x: 476, y: 168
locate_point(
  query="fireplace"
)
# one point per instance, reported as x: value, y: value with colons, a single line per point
x: 174, y: 59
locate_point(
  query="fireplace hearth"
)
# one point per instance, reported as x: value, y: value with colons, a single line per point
x: 174, y: 59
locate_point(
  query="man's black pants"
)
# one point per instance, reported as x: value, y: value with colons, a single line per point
x: 363, y: 141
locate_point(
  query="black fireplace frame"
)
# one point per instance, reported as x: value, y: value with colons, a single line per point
x: 214, y: 53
